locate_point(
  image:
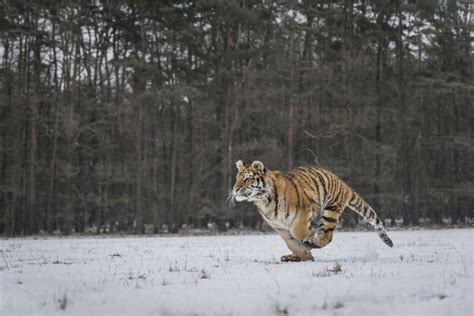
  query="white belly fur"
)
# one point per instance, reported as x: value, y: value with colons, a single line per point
x: 280, y: 221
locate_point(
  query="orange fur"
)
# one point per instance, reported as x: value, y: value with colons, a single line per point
x: 290, y: 201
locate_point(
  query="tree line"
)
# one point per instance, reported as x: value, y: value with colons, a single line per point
x: 120, y: 115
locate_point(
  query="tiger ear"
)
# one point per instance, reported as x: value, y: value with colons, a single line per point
x: 239, y: 164
x: 258, y: 166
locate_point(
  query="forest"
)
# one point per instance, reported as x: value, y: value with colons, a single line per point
x: 128, y: 116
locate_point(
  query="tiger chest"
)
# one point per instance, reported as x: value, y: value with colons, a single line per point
x: 278, y: 219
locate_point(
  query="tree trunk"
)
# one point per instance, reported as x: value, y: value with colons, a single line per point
x: 378, y: 120
x: 34, y: 105
x: 291, y: 107
x: 172, y: 207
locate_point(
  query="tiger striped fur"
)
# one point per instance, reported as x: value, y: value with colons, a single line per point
x: 292, y: 202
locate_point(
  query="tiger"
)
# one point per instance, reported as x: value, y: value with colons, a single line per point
x: 303, y: 206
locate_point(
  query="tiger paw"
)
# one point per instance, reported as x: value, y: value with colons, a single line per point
x: 290, y: 258
x: 310, y: 244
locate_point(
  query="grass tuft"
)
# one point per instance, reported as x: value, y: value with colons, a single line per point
x: 205, y: 274
x: 336, y: 268
x: 173, y: 267
x: 62, y: 301
x: 281, y: 310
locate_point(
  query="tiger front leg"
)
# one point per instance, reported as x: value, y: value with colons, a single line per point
x: 327, y: 224
x: 300, y: 252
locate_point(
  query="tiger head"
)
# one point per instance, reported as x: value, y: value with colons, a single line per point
x: 250, y: 182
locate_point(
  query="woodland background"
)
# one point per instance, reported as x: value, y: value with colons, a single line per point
x: 117, y: 114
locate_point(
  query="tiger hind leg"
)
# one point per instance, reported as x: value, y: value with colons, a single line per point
x: 327, y: 224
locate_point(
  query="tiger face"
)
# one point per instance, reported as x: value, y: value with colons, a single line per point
x: 250, y: 182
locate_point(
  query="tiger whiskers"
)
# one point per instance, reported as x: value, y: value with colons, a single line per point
x: 230, y: 198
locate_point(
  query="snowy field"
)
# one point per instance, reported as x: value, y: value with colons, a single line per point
x: 428, y: 272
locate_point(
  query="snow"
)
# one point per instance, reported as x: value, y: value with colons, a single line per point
x: 428, y: 272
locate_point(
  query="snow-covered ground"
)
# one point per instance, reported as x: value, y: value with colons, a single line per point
x: 428, y: 272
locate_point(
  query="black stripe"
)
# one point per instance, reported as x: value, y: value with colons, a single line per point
x: 269, y: 200
x: 329, y: 219
x: 370, y: 213
x: 298, y: 202
x: 329, y: 179
x: 306, y: 194
x: 360, y: 203
x: 353, y: 198
x: 276, y: 199
x: 304, y: 179
x: 327, y: 230
x: 313, y: 182
x: 331, y: 208
x: 321, y: 181
x: 338, y: 194
x: 318, y: 183
x: 330, y: 182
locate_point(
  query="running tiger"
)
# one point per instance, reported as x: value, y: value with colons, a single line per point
x: 291, y: 201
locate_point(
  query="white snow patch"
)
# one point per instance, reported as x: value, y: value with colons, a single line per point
x: 426, y: 273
